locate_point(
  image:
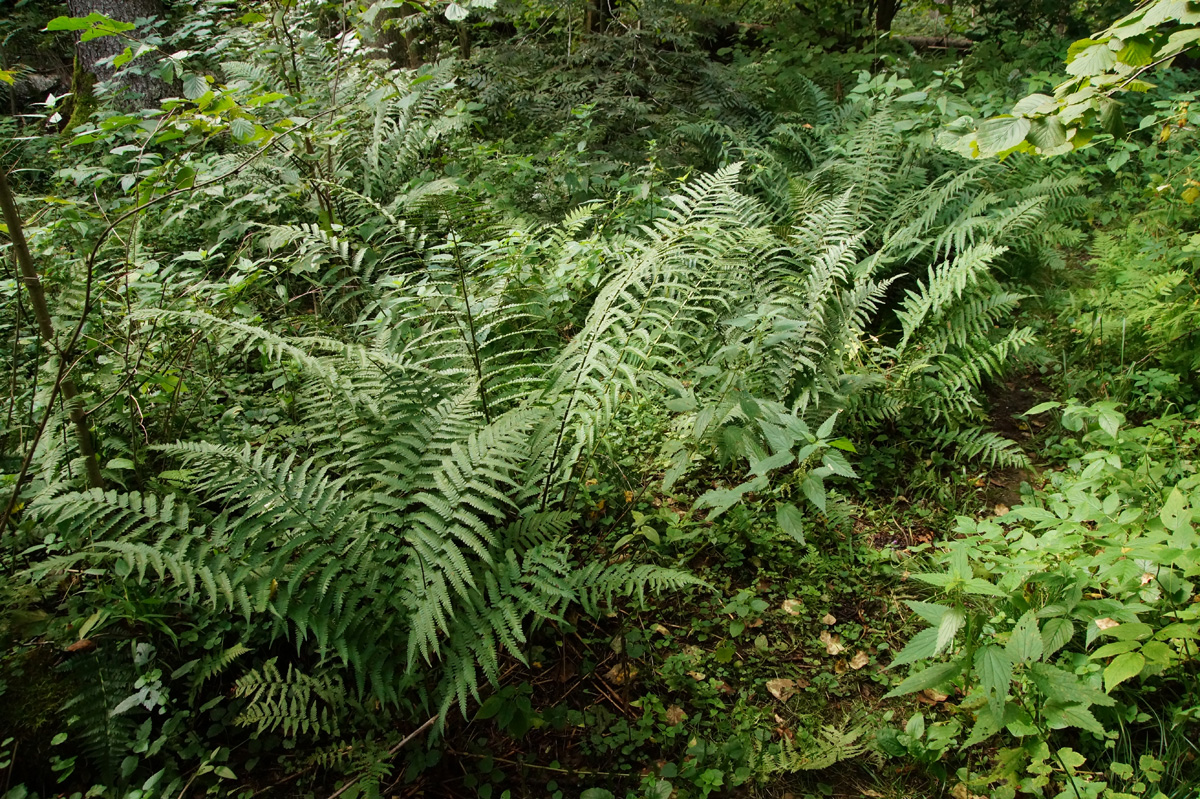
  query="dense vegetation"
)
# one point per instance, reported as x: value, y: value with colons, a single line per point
x: 659, y: 400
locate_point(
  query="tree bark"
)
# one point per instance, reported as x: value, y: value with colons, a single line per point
x: 402, y: 47
x: 885, y: 12
x: 143, y: 90
x: 41, y: 312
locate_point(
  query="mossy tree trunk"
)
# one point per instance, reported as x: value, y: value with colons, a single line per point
x: 143, y: 90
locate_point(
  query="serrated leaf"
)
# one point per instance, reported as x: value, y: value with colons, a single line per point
x: 814, y: 489
x: 1136, y: 52
x: 929, y: 611
x: 932, y: 677
x: 456, y: 13
x: 1001, y: 134
x: 1059, y: 716
x: 994, y: 668
x: 826, y: 428
x: 1056, y: 633
x: 921, y: 646
x: 1066, y: 688
x: 194, y: 86
x: 952, y: 622
x: 1025, y: 645
x: 1094, y: 60
x: 791, y: 521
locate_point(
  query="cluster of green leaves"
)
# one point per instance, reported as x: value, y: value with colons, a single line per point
x: 1072, y: 611
x: 1101, y: 67
x: 360, y: 350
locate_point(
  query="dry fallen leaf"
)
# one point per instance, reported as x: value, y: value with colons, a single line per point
x: 1106, y: 623
x: 696, y: 675
x: 839, y: 666
x: 859, y: 660
x: 792, y: 607
x: 833, y: 642
x: 675, y: 715
x: 1147, y: 577
x: 829, y: 619
x: 869, y: 792
x: 781, y: 688
x: 621, y: 674
x: 931, y: 697
x: 1000, y: 509
x: 84, y: 645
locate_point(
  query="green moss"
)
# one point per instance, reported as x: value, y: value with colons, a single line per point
x: 83, y: 100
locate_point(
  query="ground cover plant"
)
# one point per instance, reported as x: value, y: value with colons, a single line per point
x: 503, y: 399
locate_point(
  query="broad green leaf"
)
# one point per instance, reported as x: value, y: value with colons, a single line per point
x: 826, y: 428
x: 1177, y: 630
x: 456, y: 13
x: 1042, y: 407
x: 1094, y: 60
x: 1066, y: 688
x: 1172, y: 512
x: 952, y: 622
x: 772, y: 462
x: 1059, y: 716
x: 837, y: 462
x: 194, y: 86
x: 1179, y: 41
x: 1136, y: 52
x: 1056, y: 633
x: 1025, y: 645
x: 921, y: 646
x: 1001, y: 134
x: 931, y: 677
x: 1115, y: 648
x: 791, y: 521
x: 1130, y: 631
x: 1158, y: 654
x: 1123, y: 667
x: 980, y: 587
x: 91, y: 20
x: 1048, y: 135
x: 994, y: 668
x: 929, y: 611
x: 1110, y: 422
x: 814, y: 488
x: 123, y: 58
x: 1033, y: 104
x: 1117, y: 160
x: 722, y: 499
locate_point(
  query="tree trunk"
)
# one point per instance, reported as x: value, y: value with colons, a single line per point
x: 143, y: 91
x: 402, y: 47
x: 885, y: 12
x: 41, y: 312
x: 598, y: 14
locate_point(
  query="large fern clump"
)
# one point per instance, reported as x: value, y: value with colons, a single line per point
x: 351, y: 414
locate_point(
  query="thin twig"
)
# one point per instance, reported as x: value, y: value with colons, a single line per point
x: 391, y: 752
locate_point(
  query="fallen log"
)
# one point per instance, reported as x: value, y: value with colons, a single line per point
x: 936, y: 42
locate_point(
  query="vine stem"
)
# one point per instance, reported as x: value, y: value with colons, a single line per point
x: 391, y: 752
x: 41, y: 312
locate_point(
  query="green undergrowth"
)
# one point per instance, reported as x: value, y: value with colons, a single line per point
x: 676, y: 410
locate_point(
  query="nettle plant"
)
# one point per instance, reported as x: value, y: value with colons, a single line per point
x: 1070, y: 622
